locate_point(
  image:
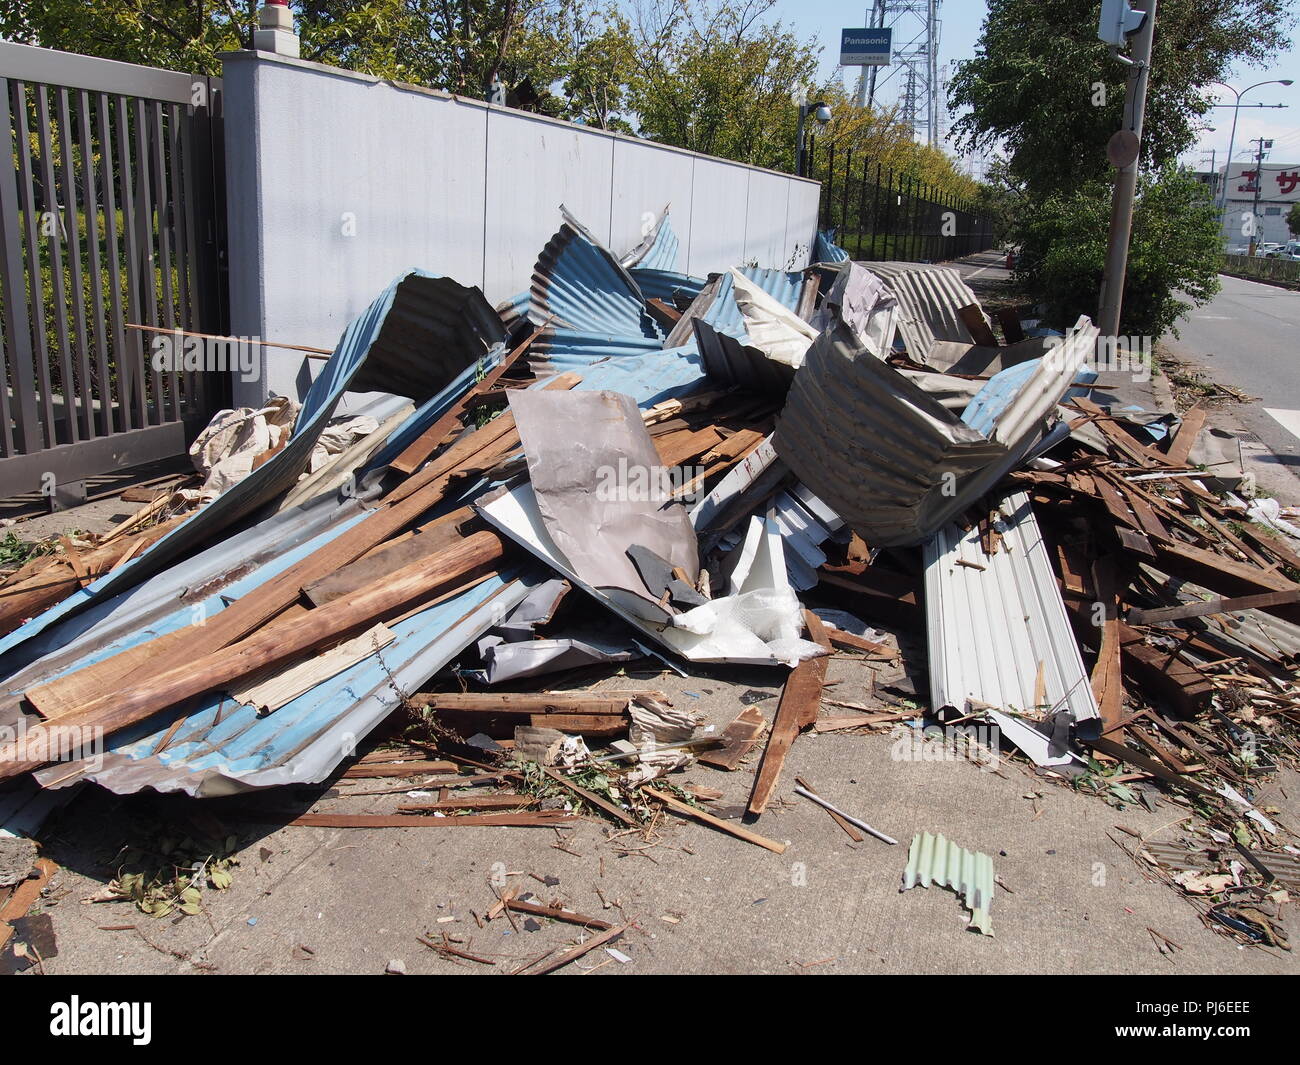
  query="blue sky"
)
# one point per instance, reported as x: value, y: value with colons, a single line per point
x: 961, y: 20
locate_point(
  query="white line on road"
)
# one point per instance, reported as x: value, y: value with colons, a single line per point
x: 1288, y: 419
x: 1215, y: 317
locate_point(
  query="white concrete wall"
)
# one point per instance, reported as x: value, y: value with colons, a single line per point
x: 336, y: 182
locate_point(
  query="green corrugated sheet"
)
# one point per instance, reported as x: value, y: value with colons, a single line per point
x: 937, y: 860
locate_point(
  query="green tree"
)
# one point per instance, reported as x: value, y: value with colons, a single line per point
x: 715, y: 77
x: 1046, y: 89
x: 1175, y: 250
x: 1293, y: 220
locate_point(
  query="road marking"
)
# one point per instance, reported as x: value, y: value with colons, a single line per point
x: 1288, y: 419
x: 1215, y: 317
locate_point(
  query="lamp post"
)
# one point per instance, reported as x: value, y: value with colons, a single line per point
x: 1236, y: 109
x: 821, y: 114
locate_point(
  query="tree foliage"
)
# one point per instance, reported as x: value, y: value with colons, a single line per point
x: 1293, y: 220
x: 1042, y: 85
x: 713, y: 76
x: 1175, y: 251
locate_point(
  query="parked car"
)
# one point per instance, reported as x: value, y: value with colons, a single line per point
x: 1284, y: 251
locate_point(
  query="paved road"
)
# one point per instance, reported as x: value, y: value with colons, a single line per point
x: 1249, y: 336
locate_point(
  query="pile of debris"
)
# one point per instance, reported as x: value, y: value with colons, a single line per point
x: 629, y: 462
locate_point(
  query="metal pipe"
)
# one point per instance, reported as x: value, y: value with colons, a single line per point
x: 799, y: 790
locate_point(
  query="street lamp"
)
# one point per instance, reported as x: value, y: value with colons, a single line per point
x: 1236, y: 108
x: 821, y: 115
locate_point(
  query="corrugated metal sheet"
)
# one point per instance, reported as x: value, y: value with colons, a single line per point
x: 989, y: 404
x: 873, y: 445
x: 928, y: 298
x: 221, y: 748
x: 729, y: 353
x: 996, y: 621
x: 457, y: 326
x: 666, y: 285
x: 891, y: 460
x: 658, y: 251
x: 578, y: 284
x: 825, y: 250
x: 934, y: 859
x: 724, y: 314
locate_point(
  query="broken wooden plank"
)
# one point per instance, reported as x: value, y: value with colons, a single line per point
x: 540, y: 819
x: 739, y: 831
x: 576, y: 951
x: 973, y: 318
x: 738, y: 739
x: 558, y: 913
x: 423, y: 446
x: 1180, y: 447
x: 797, y: 710
x: 364, y: 771
x: 1156, y: 615
x: 618, y: 813
x: 597, y: 702
x: 114, y: 710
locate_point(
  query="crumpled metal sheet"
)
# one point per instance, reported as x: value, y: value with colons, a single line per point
x: 935, y: 859
x: 658, y: 250
x: 601, y: 490
x: 887, y: 456
x: 825, y: 250
x: 996, y: 621
x: 929, y: 298
x: 423, y: 330
x: 222, y: 748
x: 873, y: 445
x: 864, y: 303
x: 579, y: 284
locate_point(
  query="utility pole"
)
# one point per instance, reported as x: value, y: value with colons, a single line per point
x: 1259, y: 184
x: 1125, y: 151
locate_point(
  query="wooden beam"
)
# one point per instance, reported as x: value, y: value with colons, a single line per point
x: 797, y: 710
x: 597, y: 702
x: 739, y: 831
x: 1156, y: 615
x: 1180, y: 448
x: 271, y: 645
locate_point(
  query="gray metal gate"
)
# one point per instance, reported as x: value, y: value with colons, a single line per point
x: 113, y: 214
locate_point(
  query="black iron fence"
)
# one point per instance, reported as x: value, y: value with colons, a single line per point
x: 880, y: 214
x: 111, y: 214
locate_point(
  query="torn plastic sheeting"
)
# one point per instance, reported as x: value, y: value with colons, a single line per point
x: 514, y: 512
x: 600, y: 489
x: 222, y: 748
x: 579, y: 284
x: 997, y: 622
x: 506, y: 661
x: 887, y: 456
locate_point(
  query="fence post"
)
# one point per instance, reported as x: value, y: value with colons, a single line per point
x: 862, y: 204
x: 844, y: 193
x: 875, y: 212
x: 830, y: 184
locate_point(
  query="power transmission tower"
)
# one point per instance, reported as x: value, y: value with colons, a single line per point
x: 916, y: 63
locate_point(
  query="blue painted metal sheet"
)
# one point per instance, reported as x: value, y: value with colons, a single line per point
x: 989, y: 402
x: 658, y: 251
x: 578, y: 284
x: 825, y: 250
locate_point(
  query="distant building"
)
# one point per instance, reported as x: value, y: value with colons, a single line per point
x: 1280, y: 188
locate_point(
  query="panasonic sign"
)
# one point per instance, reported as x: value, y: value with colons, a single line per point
x: 866, y: 47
